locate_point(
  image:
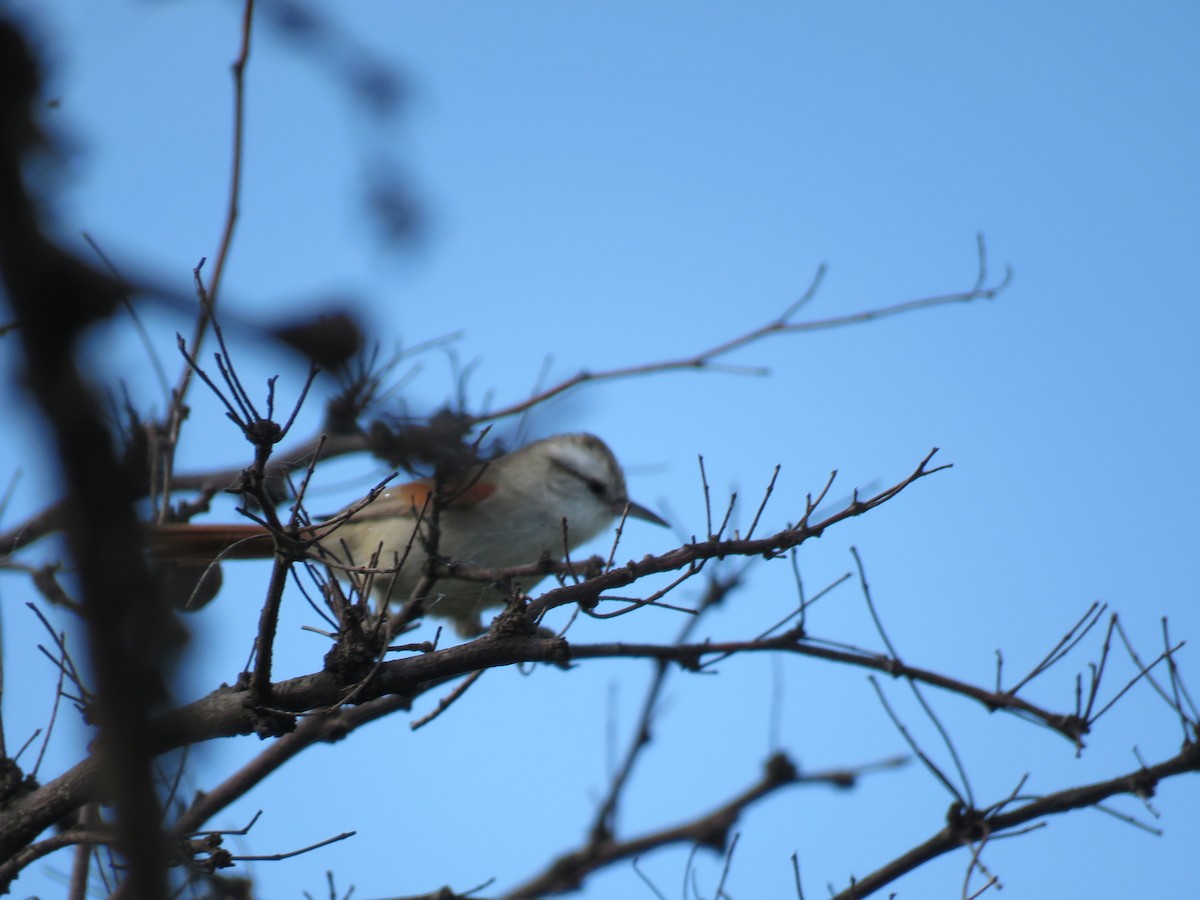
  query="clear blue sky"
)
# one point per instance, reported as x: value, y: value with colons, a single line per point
x: 625, y: 182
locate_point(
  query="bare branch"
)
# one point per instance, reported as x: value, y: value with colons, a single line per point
x: 966, y: 826
x: 238, y: 70
x: 706, y: 359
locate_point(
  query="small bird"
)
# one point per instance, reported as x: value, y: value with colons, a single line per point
x: 504, y: 513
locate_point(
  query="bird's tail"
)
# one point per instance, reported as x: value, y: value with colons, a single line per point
x: 205, y: 543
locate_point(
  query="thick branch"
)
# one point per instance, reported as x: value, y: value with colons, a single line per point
x: 229, y: 711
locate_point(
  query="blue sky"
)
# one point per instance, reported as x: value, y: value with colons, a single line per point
x: 620, y: 183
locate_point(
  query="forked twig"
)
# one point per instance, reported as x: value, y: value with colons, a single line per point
x: 969, y: 800
x: 705, y: 359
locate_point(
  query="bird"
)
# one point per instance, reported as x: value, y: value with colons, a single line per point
x: 533, y: 504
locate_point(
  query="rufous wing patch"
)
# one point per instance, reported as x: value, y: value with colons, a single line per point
x: 414, y: 496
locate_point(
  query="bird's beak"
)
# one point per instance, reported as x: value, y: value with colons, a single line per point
x: 637, y: 511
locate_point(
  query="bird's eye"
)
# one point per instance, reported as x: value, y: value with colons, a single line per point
x: 596, y: 486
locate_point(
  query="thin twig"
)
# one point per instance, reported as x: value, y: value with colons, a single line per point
x: 704, y: 360
x: 275, y: 857
x: 913, y: 686
x: 447, y: 701
x: 238, y: 70
x: 914, y: 746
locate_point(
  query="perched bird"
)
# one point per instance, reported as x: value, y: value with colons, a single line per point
x: 504, y: 513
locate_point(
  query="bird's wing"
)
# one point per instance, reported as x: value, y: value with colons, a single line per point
x: 411, y: 498
x: 204, y: 542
